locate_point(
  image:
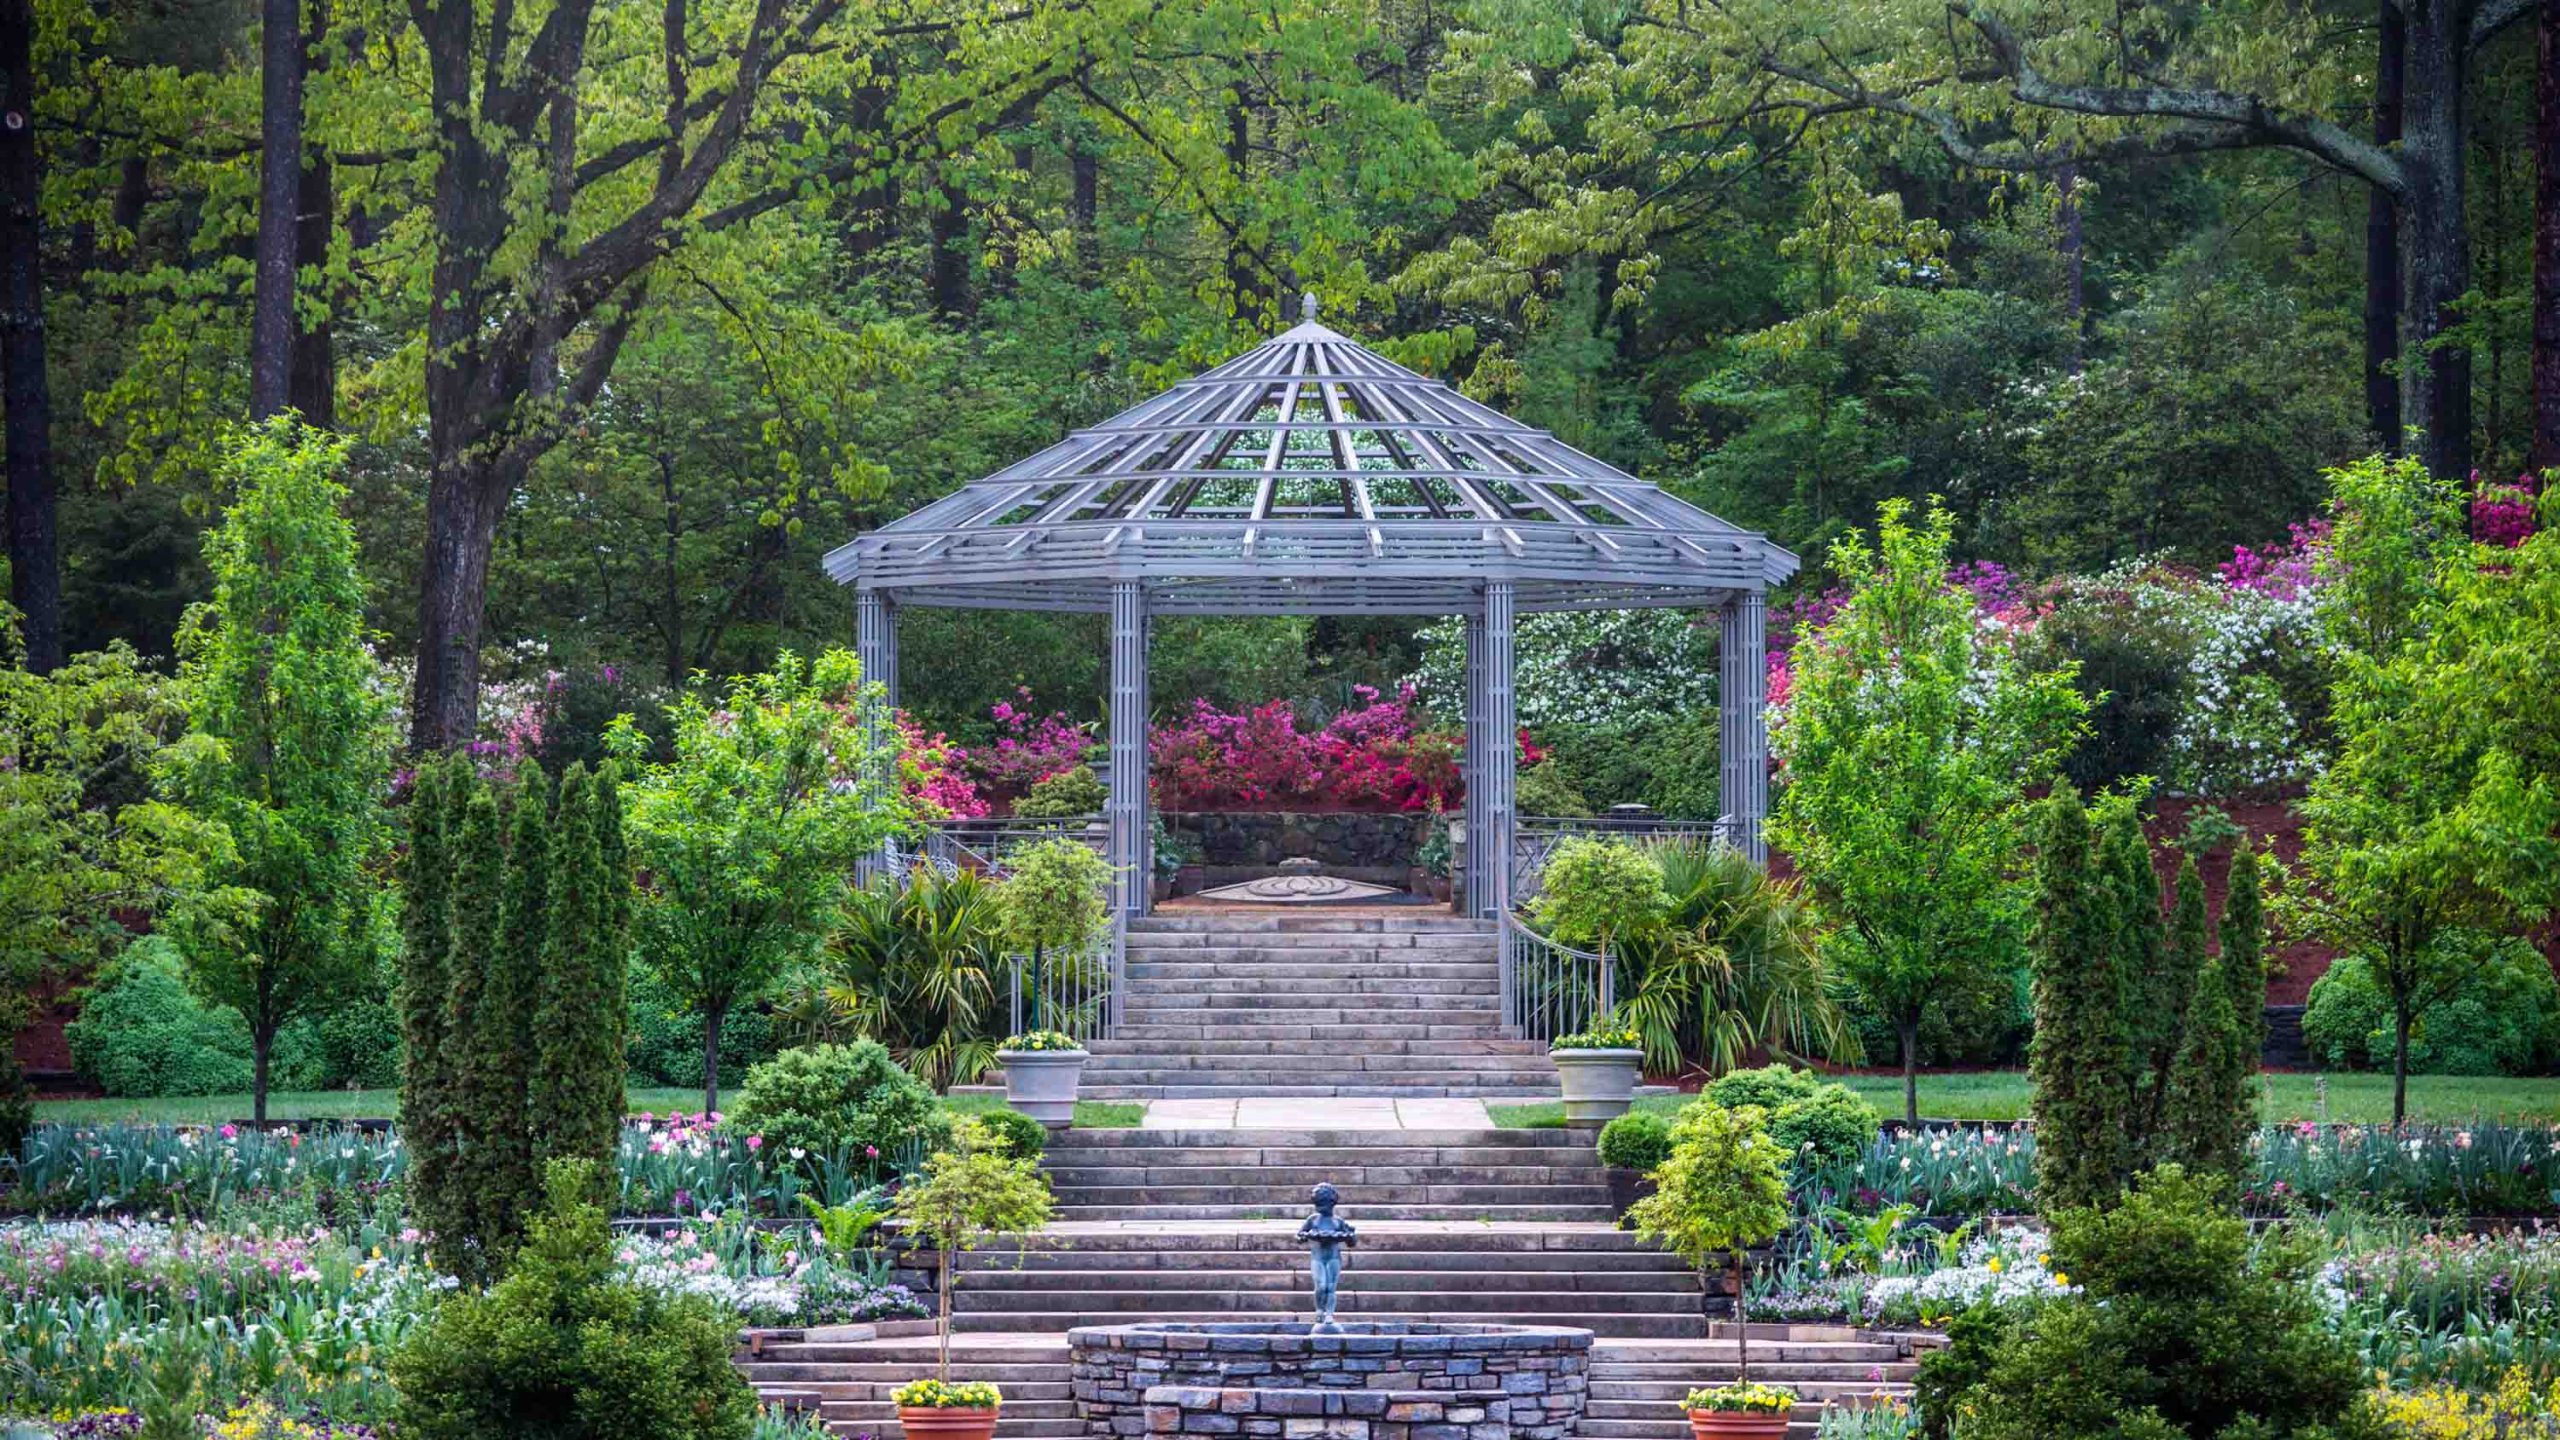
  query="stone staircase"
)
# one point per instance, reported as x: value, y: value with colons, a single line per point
x: 1591, y: 1277
x: 1323, y: 1003
x: 1245, y: 1174
x: 1636, y: 1384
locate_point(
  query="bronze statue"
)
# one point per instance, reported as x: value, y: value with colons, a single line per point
x: 1325, y: 1238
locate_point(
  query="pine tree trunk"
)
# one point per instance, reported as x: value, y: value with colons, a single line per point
x: 312, y: 388
x: 35, y: 566
x: 2382, y: 245
x: 271, y: 324
x: 2544, y: 451
x: 2434, y: 234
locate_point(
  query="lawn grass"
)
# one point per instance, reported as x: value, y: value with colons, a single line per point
x: 2003, y: 1095
x: 381, y: 1104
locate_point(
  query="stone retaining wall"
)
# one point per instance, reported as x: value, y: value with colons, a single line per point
x: 1224, y: 1414
x: 1538, y: 1376
x: 1345, y: 843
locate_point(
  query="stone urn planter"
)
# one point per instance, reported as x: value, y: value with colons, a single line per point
x: 1599, y: 1083
x: 1042, y: 1074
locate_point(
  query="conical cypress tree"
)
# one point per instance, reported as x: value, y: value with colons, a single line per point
x: 2185, y: 959
x: 2244, y: 950
x: 509, y: 1183
x: 426, y: 939
x: 468, y: 1233
x: 2153, y: 986
x: 2077, y: 1058
x: 577, y: 1091
x: 2212, y: 1097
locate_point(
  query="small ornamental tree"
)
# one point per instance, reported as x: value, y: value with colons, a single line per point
x: 1596, y: 888
x: 749, y: 836
x: 2441, y: 812
x: 1911, y: 734
x: 1052, y: 900
x: 291, y: 743
x: 975, y: 1191
x: 1722, y: 1191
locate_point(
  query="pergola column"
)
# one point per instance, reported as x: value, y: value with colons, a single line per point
x: 1125, y: 809
x: 1497, y: 753
x: 875, y: 645
x: 1743, y: 721
x: 1469, y: 881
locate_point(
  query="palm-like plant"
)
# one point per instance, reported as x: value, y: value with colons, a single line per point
x: 918, y: 967
x: 1735, y: 969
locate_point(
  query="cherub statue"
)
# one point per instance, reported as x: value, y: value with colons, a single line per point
x: 1325, y: 1238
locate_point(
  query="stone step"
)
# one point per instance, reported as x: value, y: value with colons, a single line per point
x: 1369, y: 1200
x: 1261, y: 1044
x: 1309, y: 1009
x: 1296, y: 1205
x: 1364, y: 1279
x: 1220, y: 1157
x: 1144, y: 1304
x: 1269, y: 964
x: 1598, y: 1264
x: 1384, y: 1089
x: 1301, y: 1032
x: 1258, y: 923
x: 1280, y: 985
x: 1355, y: 1181
x: 1634, y: 1327
x: 1296, y: 1067
x: 1854, y: 1380
x: 1317, y: 1136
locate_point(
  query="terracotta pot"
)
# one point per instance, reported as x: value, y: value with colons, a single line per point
x: 1738, y: 1425
x: 950, y: 1422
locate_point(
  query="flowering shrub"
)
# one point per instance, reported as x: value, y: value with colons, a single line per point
x: 943, y: 1395
x: 1368, y: 757
x: 767, y: 1277
x: 1580, y: 669
x: 930, y: 771
x: 1029, y: 747
x: 2515, y: 1410
x: 2502, y: 515
x: 1743, y: 1397
x: 1998, y: 1269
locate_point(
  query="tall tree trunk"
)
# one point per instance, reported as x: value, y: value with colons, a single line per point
x: 1910, y: 1028
x: 313, y: 385
x: 2543, y: 452
x: 2434, y: 235
x: 271, y: 321
x: 2400, y: 1026
x: 1085, y: 210
x: 2074, y: 257
x: 463, y: 506
x: 1241, y: 276
x: 712, y: 1015
x: 2382, y: 243
x: 948, y: 266
x: 35, y: 566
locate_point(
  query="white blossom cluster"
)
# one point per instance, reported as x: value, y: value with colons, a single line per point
x: 1584, y: 669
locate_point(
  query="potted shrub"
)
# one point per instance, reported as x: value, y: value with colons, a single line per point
x: 977, y: 1190
x: 1051, y: 903
x: 1043, y: 1069
x: 1720, y: 1191
x: 1598, y: 1070
x: 1630, y: 1147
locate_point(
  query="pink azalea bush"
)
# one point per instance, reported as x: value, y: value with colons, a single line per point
x: 933, y: 774
x: 2282, y: 571
x: 1029, y: 748
x: 1372, y: 756
x: 2502, y: 515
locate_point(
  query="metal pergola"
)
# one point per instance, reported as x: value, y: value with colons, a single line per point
x: 1308, y: 476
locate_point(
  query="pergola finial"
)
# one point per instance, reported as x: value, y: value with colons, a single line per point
x: 1307, y: 305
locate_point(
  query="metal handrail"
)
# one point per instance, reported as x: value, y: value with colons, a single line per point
x: 1551, y: 989
x: 1077, y: 993
x: 1534, y: 838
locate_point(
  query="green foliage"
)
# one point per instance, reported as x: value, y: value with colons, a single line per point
x: 1735, y: 967
x: 1070, y: 792
x: 2157, y: 981
x: 1546, y: 789
x: 1595, y: 888
x: 1770, y: 1088
x: 827, y: 1098
x: 290, y: 743
x: 665, y: 1044
x: 916, y: 966
x: 1020, y: 1134
x: 1975, y: 1338
x: 562, y: 1349
x: 2440, y: 812
x: 1832, y: 1126
x: 2244, y: 948
x: 142, y: 1032
x: 2212, y: 1110
x: 976, y: 1190
x: 1052, y: 896
x: 1910, y: 738
x: 1637, y: 1140
x: 574, y: 1103
x: 2132, y: 651
x: 1722, y: 1190
x: 429, y: 1098
x: 2505, y: 1020
x: 2080, y: 1059
x: 2184, y: 1326
x: 750, y: 834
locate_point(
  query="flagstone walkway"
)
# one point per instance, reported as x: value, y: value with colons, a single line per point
x: 1330, y: 1112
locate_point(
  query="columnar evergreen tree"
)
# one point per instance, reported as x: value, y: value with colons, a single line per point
x: 2077, y: 1058
x: 2244, y: 948
x: 478, y: 901
x: 2189, y: 953
x: 2155, y: 984
x: 575, y: 1107
x: 426, y: 991
x: 2213, y: 1086
x: 506, y: 1182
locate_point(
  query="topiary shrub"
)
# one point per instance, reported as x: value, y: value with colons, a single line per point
x: 562, y: 1349
x: 1068, y: 793
x: 1771, y: 1087
x: 1831, y: 1126
x: 1637, y: 1140
x: 825, y: 1098
x: 143, y: 1033
x: 1023, y: 1137
x: 2180, y: 1325
x: 2505, y: 1020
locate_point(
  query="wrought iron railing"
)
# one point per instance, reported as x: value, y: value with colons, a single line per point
x: 1535, y: 837
x: 1550, y: 989
x: 1079, y: 992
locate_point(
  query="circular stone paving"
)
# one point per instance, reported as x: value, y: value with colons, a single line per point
x: 1373, y: 1380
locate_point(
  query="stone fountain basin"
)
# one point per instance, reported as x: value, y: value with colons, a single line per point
x: 1374, y: 1380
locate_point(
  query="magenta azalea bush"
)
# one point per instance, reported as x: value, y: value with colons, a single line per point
x: 1372, y: 756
